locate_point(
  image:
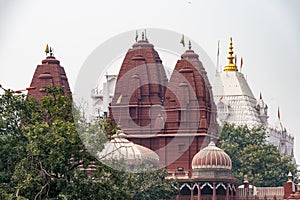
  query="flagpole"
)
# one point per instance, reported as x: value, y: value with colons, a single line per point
x: 218, y: 53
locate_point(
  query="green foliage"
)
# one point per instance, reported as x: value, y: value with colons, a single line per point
x: 44, y: 154
x: 252, y: 157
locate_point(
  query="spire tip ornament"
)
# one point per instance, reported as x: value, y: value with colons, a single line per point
x: 143, y: 36
x: 51, y: 52
x: 47, y: 49
x: 231, y: 66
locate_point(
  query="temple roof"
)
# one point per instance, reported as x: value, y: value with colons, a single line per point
x: 233, y: 95
x: 49, y: 73
x: 189, y: 90
x: 141, y: 83
x: 231, y: 83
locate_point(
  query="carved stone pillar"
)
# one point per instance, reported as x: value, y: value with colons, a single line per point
x: 199, y: 191
x: 227, y: 192
x: 192, y: 192
x: 214, y: 197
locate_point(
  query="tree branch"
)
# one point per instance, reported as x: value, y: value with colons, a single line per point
x: 40, y: 192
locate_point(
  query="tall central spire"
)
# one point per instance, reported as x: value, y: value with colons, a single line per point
x: 230, y: 66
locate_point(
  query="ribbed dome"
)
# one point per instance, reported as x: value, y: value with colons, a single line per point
x: 211, y: 157
x: 119, y: 148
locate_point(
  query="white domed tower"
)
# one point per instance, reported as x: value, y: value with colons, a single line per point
x: 233, y: 96
x: 237, y: 105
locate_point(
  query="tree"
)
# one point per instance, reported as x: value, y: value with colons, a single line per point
x: 252, y: 157
x: 43, y: 155
x: 12, y: 140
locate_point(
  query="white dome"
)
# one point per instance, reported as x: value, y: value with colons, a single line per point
x: 119, y: 148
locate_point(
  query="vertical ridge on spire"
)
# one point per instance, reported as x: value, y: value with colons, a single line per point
x: 231, y: 66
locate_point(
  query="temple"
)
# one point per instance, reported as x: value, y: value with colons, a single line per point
x: 236, y: 104
x: 174, y: 123
x: 174, y: 118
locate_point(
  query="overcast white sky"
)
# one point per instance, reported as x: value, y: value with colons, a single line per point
x: 266, y: 33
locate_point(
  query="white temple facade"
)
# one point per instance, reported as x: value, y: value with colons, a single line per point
x: 102, y: 96
x: 236, y: 104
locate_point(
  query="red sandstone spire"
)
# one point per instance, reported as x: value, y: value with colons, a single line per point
x: 141, y: 84
x: 49, y: 73
x: 190, y: 110
x: 189, y: 90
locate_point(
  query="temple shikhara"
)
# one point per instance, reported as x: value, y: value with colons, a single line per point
x: 49, y: 73
x: 175, y: 122
x: 237, y: 104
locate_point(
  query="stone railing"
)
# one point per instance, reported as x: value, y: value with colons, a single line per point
x: 265, y: 193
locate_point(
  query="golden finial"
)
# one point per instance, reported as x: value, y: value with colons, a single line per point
x: 47, y: 49
x: 230, y: 66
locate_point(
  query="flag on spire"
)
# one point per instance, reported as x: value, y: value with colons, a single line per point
x: 260, y: 96
x: 136, y: 35
x: 182, y: 41
x: 218, y: 53
x: 278, y: 113
x: 47, y: 49
x: 119, y: 99
x: 241, y: 62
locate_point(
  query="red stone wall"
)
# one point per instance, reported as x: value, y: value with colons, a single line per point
x: 288, y: 189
